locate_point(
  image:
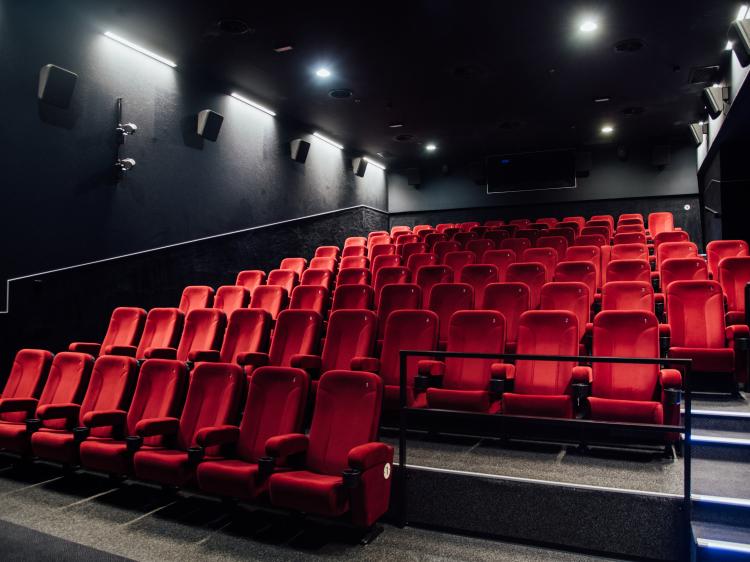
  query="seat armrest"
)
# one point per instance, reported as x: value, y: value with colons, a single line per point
x: 582, y: 375
x: 281, y: 446
x: 670, y: 378
x: 218, y: 435
x: 210, y: 355
x: 68, y: 412
x: 503, y: 371
x: 161, y: 353
x: 369, y: 455
x: 85, y: 347
x: 254, y: 359
x: 105, y: 418
x: 735, y: 317
x: 26, y: 405
x: 738, y: 334
x: 126, y: 350
x: 157, y: 426
x: 309, y: 363
x: 664, y: 339
x: 430, y: 368
x: 370, y: 364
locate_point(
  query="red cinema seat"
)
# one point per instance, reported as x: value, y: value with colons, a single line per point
x: 441, y: 249
x: 404, y: 329
x: 531, y: 234
x: 479, y: 247
x: 546, y: 256
x: 346, y: 472
x: 377, y: 240
x: 196, y: 296
x: 500, y: 259
x: 464, y: 238
x: 284, y: 278
x: 125, y: 327
x: 316, y: 278
x: 669, y: 236
x: 376, y: 234
x: 628, y: 270
x: 66, y: 383
x: 734, y: 275
x: 628, y: 392
x: 247, y: 331
x: 418, y: 261
x: 389, y: 276
x: 251, y: 279
x: 358, y: 297
x: 457, y: 260
x: 660, y: 222
x: 627, y: 238
x: 547, y: 222
x: 405, y: 296
x: 635, y: 251
x: 557, y: 243
x: 25, y: 381
x: 531, y: 273
x: 355, y: 262
x: 309, y: 297
x: 496, y: 236
x: 567, y: 233
x: 443, y: 226
x: 542, y: 388
x: 434, y: 238
x: 594, y: 230
x: 298, y: 265
x: 695, y: 312
x: 580, y: 221
x: 429, y: 276
x: 380, y: 262
x: 381, y: 250
x: 590, y: 240
x: 324, y: 263
x: 630, y: 216
x: 444, y: 300
x: 717, y: 250
x: 467, y: 226
x: 609, y: 219
x: 478, y: 276
x: 572, y: 296
x: 631, y: 229
x: 512, y: 300
x: 421, y: 228
x: 518, y: 245
x: 274, y: 406
x: 271, y: 298
x: 520, y: 222
x: 410, y: 249
x: 403, y: 238
x: 587, y: 253
x: 327, y: 252
x: 465, y: 381
x: 203, y: 330
x: 110, y: 387
x: 231, y: 297
x: 577, y: 271
x: 162, y: 329
x: 351, y: 251
x: 355, y: 241
x: 671, y: 250
x: 396, y: 229
x: 494, y: 223
x: 212, y: 401
x: 628, y: 295
x: 682, y: 269
x: 630, y: 221
x: 159, y: 392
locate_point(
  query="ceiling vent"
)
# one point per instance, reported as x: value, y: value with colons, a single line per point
x: 629, y: 45
x: 704, y: 74
x: 341, y: 93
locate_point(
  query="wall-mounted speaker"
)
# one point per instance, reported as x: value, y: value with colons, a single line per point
x: 56, y: 85
x: 209, y: 124
x: 698, y: 130
x: 660, y: 156
x: 413, y: 177
x: 739, y: 35
x: 359, y: 165
x: 715, y: 97
x: 583, y: 164
x: 300, y: 149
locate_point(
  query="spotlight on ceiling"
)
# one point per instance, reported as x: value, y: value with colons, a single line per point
x: 374, y: 163
x: 251, y: 103
x: 608, y: 129
x: 739, y: 40
x: 698, y: 129
x: 431, y: 147
x: 729, y: 46
x: 742, y: 14
x: 140, y: 49
x: 327, y: 140
x: 715, y: 98
x: 323, y: 72
x: 588, y: 26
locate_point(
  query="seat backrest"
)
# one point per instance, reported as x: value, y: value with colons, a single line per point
x: 309, y: 297
x: 566, y: 232
x: 588, y: 253
x: 590, y: 240
x: 355, y: 241
x: 110, y: 388
x: 159, y: 393
x: 397, y: 297
x: 297, y: 332
x: 606, y: 218
x: 247, y: 331
x: 358, y: 297
x: 251, y: 279
x: 573, y: 226
x: 204, y: 330
x: 347, y: 414
x: 390, y: 260
x: 213, y: 397
x: 464, y: 238
x: 625, y: 333
x: 627, y: 238
x: 512, y: 300
x: 479, y: 247
x: 457, y: 260
x: 549, y: 222
x: 297, y: 265
x: 531, y: 273
x: 717, y: 250
x: 66, y: 383
x: 429, y: 276
x: 628, y: 295
x: 389, y: 276
x: 520, y: 222
x: 518, y: 245
x: 494, y: 222
x: 636, y: 251
x: 271, y: 298
x: 283, y: 278
x: 628, y: 270
x: 577, y: 271
x: 162, y: 329
x: 630, y: 217
x: 734, y: 275
x: 557, y: 243
x: 496, y: 236
x: 275, y: 405
x: 479, y: 230
x: 445, y: 247
x: 683, y: 269
x: 125, y: 327
x: 695, y: 310
x: 324, y: 263
x: 395, y: 229
x: 501, y: 259
x: 351, y: 333
x: 327, y: 252
x: 478, y: 276
x: 231, y: 297
x: 425, y: 232
x: 546, y: 332
x: 406, y: 329
x: 594, y: 230
x: 401, y: 239
x: 316, y: 278
x: 355, y: 261
x: 672, y: 250
x: 443, y: 226
x: 631, y: 229
x: 572, y: 296
x: 660, y: 222
x: 473, y: 331
x: 410, y: 249
x: 580, y: 221
x: 509, y: 228
x: 630, y: 221
x: 531, y: 234
x: 447, y: 298
x: 433, y: 238
x: 418, y: 261
x: 546, y: 256
x: 669, y: 236
x: 381, y: 250
x: 196, y: 296
x: 26, y: 379
x: 468, y: 225
x: 376, y: 234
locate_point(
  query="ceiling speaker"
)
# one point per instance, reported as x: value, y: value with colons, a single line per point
x: 300, y: 149
x: 359, y: 165
x: 739, y: 35
x: 583, y: 164
x: 715, y: 98
x: 209, y: 124
x: 56, y: 85
x: 413, y: 177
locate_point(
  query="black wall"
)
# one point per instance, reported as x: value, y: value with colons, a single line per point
x: 59, y: 206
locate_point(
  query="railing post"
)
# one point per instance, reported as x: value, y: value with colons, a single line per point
x: 687, y: 459
x: 403, y: 355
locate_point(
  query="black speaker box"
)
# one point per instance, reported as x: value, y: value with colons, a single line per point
x: 300, y: 149
x: 209, y: 124
x: 56, y: 85
x: 359, y: 165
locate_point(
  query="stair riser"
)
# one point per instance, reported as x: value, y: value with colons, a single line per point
x: 721, y: 423
x: 720, y: 452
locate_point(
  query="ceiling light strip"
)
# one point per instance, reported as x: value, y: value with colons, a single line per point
x: 140, y: 49
x: 251, y: 103
x: 327, y: 140
x: 374, y: 163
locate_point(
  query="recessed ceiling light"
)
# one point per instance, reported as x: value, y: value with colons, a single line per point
x: 323, y: 72
x: 431, y: 147
x: 729, y: 46
x: 283, y: 48
x: 327, y: 140
x: 253, y: 104
x: 588, y: 26
x: 376, y: 164
x: 608, y: 129
x: 140, y: 49
x: 395, y: 125
x: 602, y: 99
x: 742, y: 13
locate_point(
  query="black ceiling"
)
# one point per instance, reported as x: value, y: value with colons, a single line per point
x: 474, y: 77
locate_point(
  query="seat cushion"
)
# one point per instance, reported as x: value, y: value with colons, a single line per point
x: 634, y: 411
x: 465, y: 400
x: 230, y: 478
x: 309, y: 492
x: 555, y: 406
x: 13, y: 437
x: 166, y: 466
x: 55, y: 445
x: 720, y: 360
x: 106, y: 455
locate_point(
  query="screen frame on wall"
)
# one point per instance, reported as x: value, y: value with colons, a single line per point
x: 497, y: 156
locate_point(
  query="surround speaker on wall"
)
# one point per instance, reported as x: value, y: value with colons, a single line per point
x: 698, y: 130
x: 583, y: 164
x: 56, y: 85
x: 299, y: 149
x: 715, y: 98
x: 739, y: 35
x: 359, y: 165
x: 209, y: 124
x: 413, y: 177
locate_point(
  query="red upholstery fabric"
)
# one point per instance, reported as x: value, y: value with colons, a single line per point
x: 510, y: 299
x: 381, y: 250
x: 566, y: 231
x: 355, y: 276
x: 672, y: 250
x: 283, y: 278
x: 125, y: 327
x: 389, y: 260
x: 530, y: 273
x: 531, y: 234
x: 669, y: 236
x: 297, y: 265
x: 580, y: 221
x: 324, y: 263
x: 464, y: 238
x: 251, y: 279
x: 442, y: 248
x: 546, y: 256
x: 628, y: 238
x: 297, y: 332
x: 479, y: 247
x: 429, y: 276
x: 351, y: 333
x: 247, y: 331
x: 163, y: 328
x: 556, y: 242
x: 634, y: 251
x: 636, y: 229
x: 628, y: 270
x: 432, y: 239
x: 231, y: 297
x: 272, y: 299
x: 578, y: 272
x: 355, y: 261
x: 408, y: 250
x: 660, y: 222
x: 572, y: 296
x: 682, y: 269
x: 327, y: 252
x: 26, y: 379
x: 204, y: 329
x: 594, y: 230
x: 590, y: 253
x: 447, y: 298
x: 355, y: 241
x: 716, y: 360
x: 518, y: 245
x: 500, y: 259
x: 352, y: 297
x: 608, y: 409
x: 350, y: 251
x: 457, y: 260
x: 196, y: 296
x: 695, y: 310
x: 590, y: 240
x: 67, y: 381
x: 609, y: 219
x: 387, y: 276
x: 309, y: 297
x: 717, y: 250
x: 316, y: 278
x: 628, y: 295
x: 478, y: 276
x: 734, y: 275
x: 555, y: 406
x: 396, y: 297
x: 418, y: 261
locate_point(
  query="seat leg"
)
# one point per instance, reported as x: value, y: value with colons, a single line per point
x: 669, y: 452
x: 371, y: 534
